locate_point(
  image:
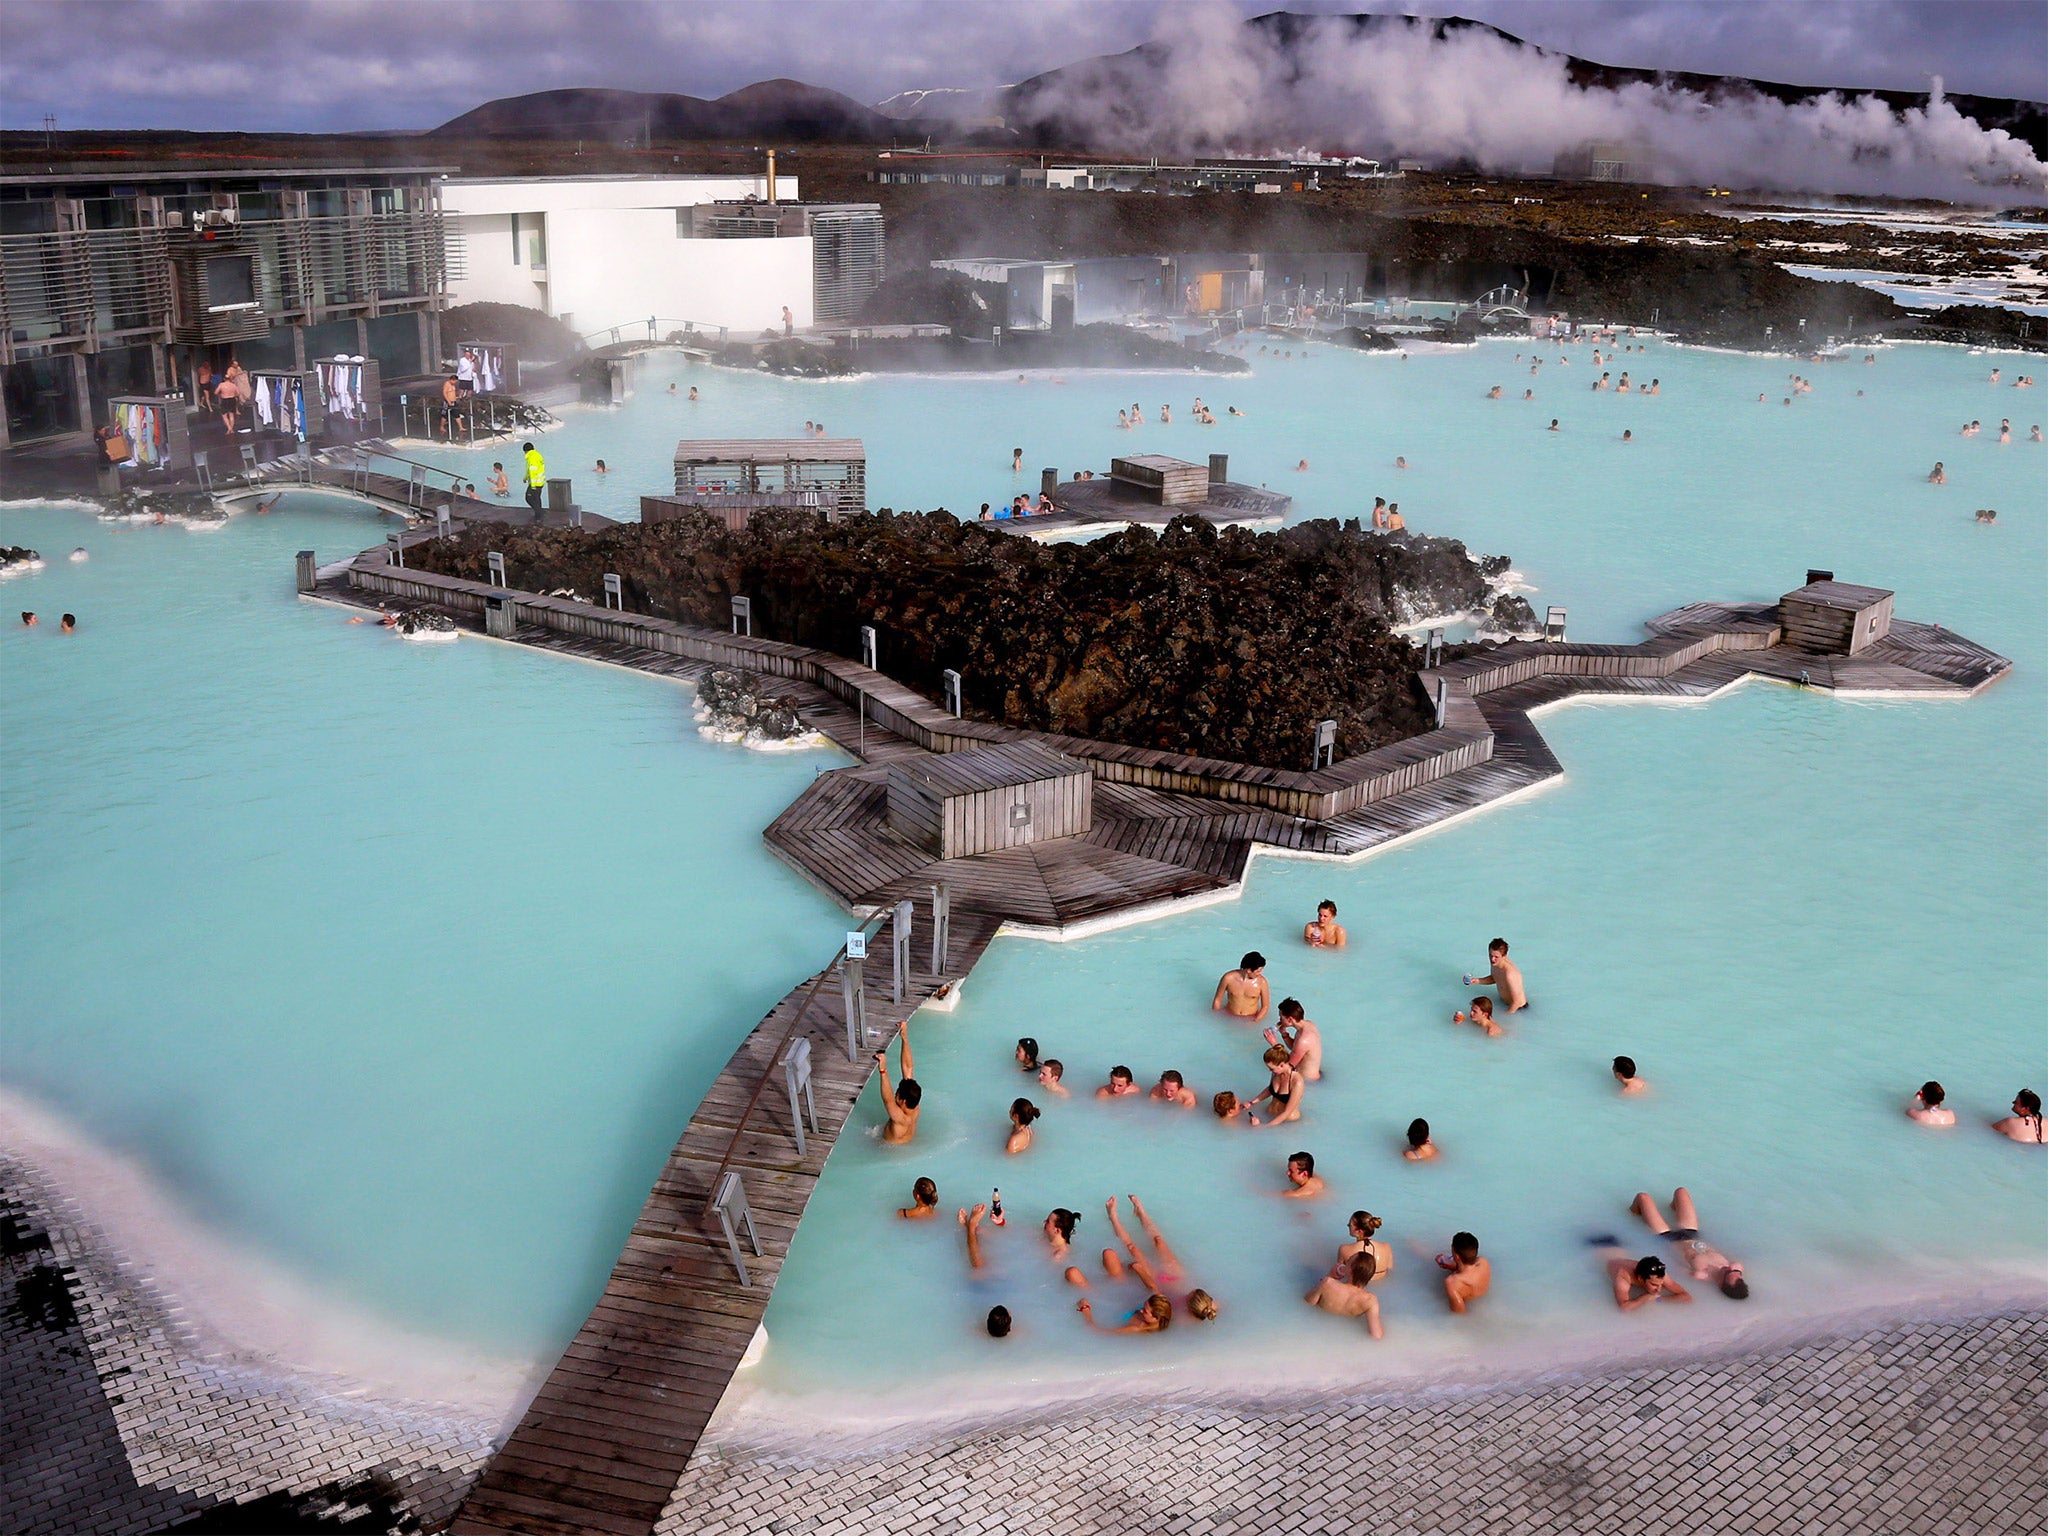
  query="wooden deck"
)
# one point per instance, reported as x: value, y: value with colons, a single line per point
x: 613, y: 1429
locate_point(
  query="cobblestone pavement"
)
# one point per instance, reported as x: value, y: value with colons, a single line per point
x: 115, y: 1417
x: 1935, y: 1429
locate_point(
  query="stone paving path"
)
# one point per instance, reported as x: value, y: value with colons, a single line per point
x: 1935, y: 1429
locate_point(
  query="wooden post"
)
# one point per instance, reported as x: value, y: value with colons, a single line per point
x: 942, y: 927
x: 558, y: 495
x: 899, y: 981
x: 501, y: 617
x: 1443, y: 701
x: 306, y: 576
x: 1219, y: 468
x: 852, y: 994
x: 1048, y: 482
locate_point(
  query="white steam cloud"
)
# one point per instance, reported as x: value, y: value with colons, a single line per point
x: 1399, y: 90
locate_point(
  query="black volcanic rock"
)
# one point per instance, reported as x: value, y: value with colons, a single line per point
x: 1223, y: 642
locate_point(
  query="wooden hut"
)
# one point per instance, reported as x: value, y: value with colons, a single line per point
x: 836, y: 466
x: 1835, y: 618
x: 978, y: 801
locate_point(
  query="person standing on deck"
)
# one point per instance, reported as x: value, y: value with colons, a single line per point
x: 536, y: 477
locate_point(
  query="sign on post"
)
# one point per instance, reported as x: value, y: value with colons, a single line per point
x: 867, y: 645
x: 614, y: 591
x: 743, y: 616
x: 952, y: 680
x: 494, y: 565
x: 1326, y: 743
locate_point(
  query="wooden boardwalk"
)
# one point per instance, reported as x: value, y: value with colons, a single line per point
x: 612, y: 1431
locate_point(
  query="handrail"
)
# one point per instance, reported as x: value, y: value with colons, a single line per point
x: 363, y: 454
x: 654, y: 321
x: 873, y: 924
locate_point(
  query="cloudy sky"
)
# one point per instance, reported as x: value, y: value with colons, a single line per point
x: 345, y: 64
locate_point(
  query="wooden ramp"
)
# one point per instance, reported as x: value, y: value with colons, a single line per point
x: 611, y: 1431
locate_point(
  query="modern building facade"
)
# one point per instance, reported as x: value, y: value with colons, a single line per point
x: 602, y: 251
x: 117, y: 283
x: 848, y: 250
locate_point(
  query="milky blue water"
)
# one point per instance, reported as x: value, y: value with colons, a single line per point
x: 402, y: 964
x: 1790, y: 908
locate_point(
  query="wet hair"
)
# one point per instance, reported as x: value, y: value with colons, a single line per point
x: 1499, y: 944
x: 497, y: 466
x: 1023, y: 1111
x: 998, y: 1322
x: 1159, y: 1308
x: 924, y: 1192
x: 1028, y: 1049
x: 2029, y: 1102
x: 28, y: 616
x: 1276, y: 1055
x: 1225, y: 1104
x: 1483, y: 1005
x: 1201, y: 1306
x: 1290, y: 1008
x: 1649, y: 1267
x: 1121, y: 1071
x: 1305, y: 1161
x: 1363, y: 1267
x: 908, y: 1093
x: 1736, y: 1289
x: 1624, y: 1066
x: 1932, y: 1093
x: 1465, y: 1246
x: 1418, y: 1131
x: 1327, y: 906
x: 1365, y: 1224
x: 1253, y: 961
x: 1173, y: 1077
x: 1065, y: 1220
x: 1052, y: 1064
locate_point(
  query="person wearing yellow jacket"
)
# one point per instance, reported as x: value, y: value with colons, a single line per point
x: 536, y: 478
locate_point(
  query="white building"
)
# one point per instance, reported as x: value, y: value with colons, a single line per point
x: 603, y: 251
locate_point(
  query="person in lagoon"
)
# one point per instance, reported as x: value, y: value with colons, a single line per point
x: 1326, y: 930
x: 1937, y: 475
x: 1285, y: 1090
x: 1303, y: 1182
x: 1481, y: 1014
x: 924, y: 1202
x: 1625, y: 1075
x: 1050, y: 1071
x: 1708, y: 1264
x: 1155, y: 1316
x: 1638, y: 1283
x: 1027, y: 1054
x: 1420, y: 1148
x: 1505, y: 977
x: 1467, y: 1277
x: 1172, y: 1088
x: 901, y: 1104
x: 1227, y: 1107
x: 500, y: 483
x: 1243, y: 993
x: 1349, y: 1296
x: 1930, y: 1106
x: 1016, y: 460
x: 1121, y: 1084
x: 1299, y: 1037
x: 970, y: 1225
x: 2024, y: 1123
x: 1163, y: 1270
x: 1396, y: 523
x: 1022, y: 1113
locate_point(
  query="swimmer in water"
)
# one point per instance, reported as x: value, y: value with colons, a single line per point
x: 1303, y: 1183
x: 1553, y: 424
x: 601, y: 469
x: 1137, y: 415
x: 1302, y: 465
x: 1481, y: 1014
x: 1050, y: 1071
x: 1227, y: 1107
x: 970, y: 1224
x: 1467, y: 1276
x: 1027, y: 1055
x: 693, y: 392
x: 1994, y: 374
x: 1016, y: 460
x: 1243, y: 993
x: 1348, y: 1297
x: 1236, y: 412
x: 1420, y: 1148
x: 1656, y: 387
x: 1639, y: 1282
x: 1625, y: 1075
x: 672, y: 390
x: 1528, y: 394
x: 1937, y: 475
x: 1153, y: 1317
x: 1973, y: 429
x: 1601, y: 382
x: 2024, y: 1123
x: 68, y: 624
x: 924, y: 1202
x: 2034, y: 436
x: 1493, y: 393
x: 1172, y: 1089
x: 901, y: 1103
x: 1987, y: 515
x: 2005, y: 431
x: 1708, y: 1264
x: 1022, y: 1113
x: 1165, y: 415
x: 1303, y: 1041
x: 1930, y: 1106
x: 499, y: 483
x: 1627, y: 436
x: 1379, y: 511
x: 1325, y: 932
x: 1123, y: 419
x: 1399, y: 462
x: 1395, y: 522
x: 1505, y: 977
x: 1121, y: 1084
x: 1285, y: 1089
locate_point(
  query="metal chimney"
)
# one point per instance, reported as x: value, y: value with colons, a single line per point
x: 771, y: 178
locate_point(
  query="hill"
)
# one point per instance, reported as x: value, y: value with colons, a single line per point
x: 780, y: 110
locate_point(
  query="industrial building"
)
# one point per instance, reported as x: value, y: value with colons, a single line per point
x: 122, y: 283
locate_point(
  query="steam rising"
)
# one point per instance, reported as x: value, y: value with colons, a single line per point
x: 1212, y: 83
